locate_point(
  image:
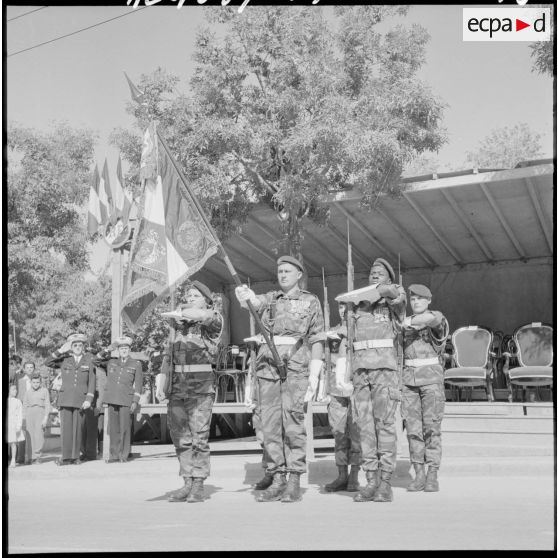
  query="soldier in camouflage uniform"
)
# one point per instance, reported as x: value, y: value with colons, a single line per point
x: 377, y: 381
x: 423, y: 395
x: 191, y: 393
x: 339, y: 412
x: 294, y: 318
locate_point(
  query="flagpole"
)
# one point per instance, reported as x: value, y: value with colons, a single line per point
x: 224, y: 255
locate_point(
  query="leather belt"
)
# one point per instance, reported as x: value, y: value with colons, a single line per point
x: 372, y: 344
x: 193, y: 368
x: 416, y: 362
x: 277, y: 339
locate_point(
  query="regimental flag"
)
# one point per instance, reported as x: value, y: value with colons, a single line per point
x: 122, y: 196
x: 105, y: 197
x: 94, y: 218
x: 172, y: 241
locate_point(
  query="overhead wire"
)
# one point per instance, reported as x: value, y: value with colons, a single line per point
x: 26, y: 13
x: 76, y: 32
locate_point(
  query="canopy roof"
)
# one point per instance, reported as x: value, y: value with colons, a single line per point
x: 450, y: 221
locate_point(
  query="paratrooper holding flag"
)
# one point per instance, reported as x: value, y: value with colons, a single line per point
x: 293, y: 319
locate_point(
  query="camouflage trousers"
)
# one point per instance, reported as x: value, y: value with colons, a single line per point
x: 281, y: 411
x: 189, y: 422
x: 375, y: 397
x: 344, y: 430
x: 257, y: 424
x: 422, y: 409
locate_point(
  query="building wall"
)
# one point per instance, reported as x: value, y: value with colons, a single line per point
x: 501, y: 296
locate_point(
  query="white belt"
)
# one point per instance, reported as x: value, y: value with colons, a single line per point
x: 373, y: 344
x: 416, y: 362
x: 193, y: 368
x: 277, y: 339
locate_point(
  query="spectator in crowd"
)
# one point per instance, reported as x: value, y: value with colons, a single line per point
x: 14, y: 432
x: 22, y: 378
x: 36, y: 408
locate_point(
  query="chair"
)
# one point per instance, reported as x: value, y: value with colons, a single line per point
x: 472, y: 362
x: 231, y: 372
x: 529, y: 358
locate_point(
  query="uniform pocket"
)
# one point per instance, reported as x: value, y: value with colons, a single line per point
x: 394, y: 394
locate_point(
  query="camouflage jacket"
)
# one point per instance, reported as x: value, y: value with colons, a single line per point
x: 298, y: 314
x: 194, y: 343
x: 427, y: 342
x: 375, y: 321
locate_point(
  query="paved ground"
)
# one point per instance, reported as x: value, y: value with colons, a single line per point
x: 495, y: 503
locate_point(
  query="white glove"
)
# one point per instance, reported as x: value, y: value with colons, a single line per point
x: 243, y: 294
x: 86, y: 405
x: 407, y: 322
x: 65, y: 348
x: 341, y: 381
x: 314, y: 378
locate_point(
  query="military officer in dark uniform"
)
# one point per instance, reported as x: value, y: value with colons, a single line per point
x: 76, y: 393
x: 121, y: 395
x: 191, y: 392
x: 294, y: 318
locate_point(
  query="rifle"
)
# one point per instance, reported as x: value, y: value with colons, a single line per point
x: 350, y: 305
x: 280, y: 364
x: 326, y: 328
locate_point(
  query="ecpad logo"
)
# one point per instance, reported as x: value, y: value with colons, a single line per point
x: 506, y: 24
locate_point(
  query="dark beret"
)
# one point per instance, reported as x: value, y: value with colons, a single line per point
x: 389, y: 269
x: 203, y: 290
x: 290, y: 260
x: 420, y: 290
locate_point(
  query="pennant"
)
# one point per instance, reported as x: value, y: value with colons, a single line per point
x: 137, y: 95
x: 125, y: 195
x: 94, y: 219
x: 173, y: 241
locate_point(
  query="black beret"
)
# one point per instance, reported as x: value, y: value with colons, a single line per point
x: 420, y: 290
x: 290, y: 260
x: 389, y: 269
x: 203, y: 290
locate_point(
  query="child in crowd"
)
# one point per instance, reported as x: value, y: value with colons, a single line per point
x: 36, y: 408
x: 15, y: 422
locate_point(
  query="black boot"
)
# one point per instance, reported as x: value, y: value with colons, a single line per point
x: 292, y: 492
x: 384, y: 492
x: 275, y: 491
x: 181, y: 494
x: 352, y: 485
x: 340, y: 483
x: 196, y: 494
x: 432, y: 480
x: 367, y: 493
x: 420, y: 479
x: 265, y: 482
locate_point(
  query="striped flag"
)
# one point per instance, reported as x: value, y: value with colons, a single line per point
x: 172, y: 240
x: 94, y: 218
x: 105, y: 196
x: 123, y: 196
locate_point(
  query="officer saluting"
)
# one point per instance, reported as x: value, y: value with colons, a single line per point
x: 121, y: 394
x: 77, y: 372
x: 293, y: 317
x: 423, y: 396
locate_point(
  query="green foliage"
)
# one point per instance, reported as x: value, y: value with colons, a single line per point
x: 288, y: 105
x: 504, y: 147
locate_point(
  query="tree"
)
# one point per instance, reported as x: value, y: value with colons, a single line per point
x: 543, y: 51
x: 287, y: 106
x: 504, y: 147
x: 48, y: 184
